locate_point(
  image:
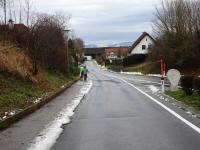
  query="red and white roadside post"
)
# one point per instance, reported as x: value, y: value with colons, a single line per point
x: 162, y: 74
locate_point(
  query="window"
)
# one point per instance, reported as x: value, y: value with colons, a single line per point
x: 143, y: 47
x: 149, y: 46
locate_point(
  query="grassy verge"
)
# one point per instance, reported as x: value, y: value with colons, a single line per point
x: 54, y: 79
x: 145, y: 68
x: 193, y: 100
x: 17, y: 94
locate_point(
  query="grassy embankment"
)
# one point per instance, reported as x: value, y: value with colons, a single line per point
x: 17, y: 94
x: 19, y: 88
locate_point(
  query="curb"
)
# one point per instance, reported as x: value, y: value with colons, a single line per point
x: 20, y: 115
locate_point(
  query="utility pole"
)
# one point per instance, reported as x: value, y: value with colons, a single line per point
x: 67, y: 49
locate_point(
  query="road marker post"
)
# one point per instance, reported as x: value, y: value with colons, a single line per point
x: 162, y: 75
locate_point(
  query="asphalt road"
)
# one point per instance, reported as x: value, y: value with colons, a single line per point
x: 115, y: 116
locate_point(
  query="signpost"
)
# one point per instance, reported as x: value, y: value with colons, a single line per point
x: 174, y: 78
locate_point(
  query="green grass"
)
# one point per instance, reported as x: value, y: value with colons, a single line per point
x: 145, y: 68
x: 15, y: 93
x: 193, y: 100
x: 54, y: 78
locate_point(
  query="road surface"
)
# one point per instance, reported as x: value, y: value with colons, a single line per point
x: 116, y: 116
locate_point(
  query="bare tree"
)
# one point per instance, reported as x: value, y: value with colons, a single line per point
x: 178, y: 17
x: 14, y: 11
x: 28, y: 7
x: 79, y: 45
x: 10, y: 9
x: 44, y: 48
x: 3, y: 4
x: 177, y: 25
x: 20, y: 11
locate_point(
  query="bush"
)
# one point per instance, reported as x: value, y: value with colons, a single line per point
x: 197, y: 84
x: 134, y: 59
x: 116, y: 68
x: 187, y: 84
x: 74, y: 70
x: 117, y: 62
x: 44, y: 48
x: 107, y: 62
x: 116, y: 65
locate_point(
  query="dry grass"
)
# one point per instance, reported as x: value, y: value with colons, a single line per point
x: 15, y: 61
x: 18, y: 87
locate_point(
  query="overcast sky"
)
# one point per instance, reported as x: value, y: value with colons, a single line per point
x: 104, y: 21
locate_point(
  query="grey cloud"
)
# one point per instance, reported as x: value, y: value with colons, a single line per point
x: 107, y: 21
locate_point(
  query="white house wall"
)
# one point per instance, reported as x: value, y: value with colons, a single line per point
x: 145, y: 41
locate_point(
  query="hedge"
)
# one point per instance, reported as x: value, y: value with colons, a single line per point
x: 134, y: 59
x: 187, y: 84
x: 190, y: 84
x: 197, y: 84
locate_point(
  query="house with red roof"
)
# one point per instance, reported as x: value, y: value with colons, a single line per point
x: 20, y: 27
x: 16, y: 29
x: 142, y: 44
x: 116, y: 52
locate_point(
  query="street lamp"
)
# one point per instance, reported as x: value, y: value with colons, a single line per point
x: 66, y: 31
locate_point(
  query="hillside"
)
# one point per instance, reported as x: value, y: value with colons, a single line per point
x: 16, y: 62
x: 19, y: 88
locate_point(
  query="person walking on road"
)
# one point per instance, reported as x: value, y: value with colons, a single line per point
x: 81, y: 72
x: 85, y: 72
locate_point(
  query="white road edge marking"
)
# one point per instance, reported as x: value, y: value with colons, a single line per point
x: 47, y: 138
x: 194, y: 127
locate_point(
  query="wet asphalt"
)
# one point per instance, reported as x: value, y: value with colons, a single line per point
x: 115, y: 116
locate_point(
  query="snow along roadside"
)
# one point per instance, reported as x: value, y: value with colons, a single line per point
x: 47, y: 138
x: 139, y: 73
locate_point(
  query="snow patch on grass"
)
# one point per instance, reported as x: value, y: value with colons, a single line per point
x: 47, y: 138
x: 153, y: 88
x: 132, y: 73
x: 154, y: 75
x: 139, y: 73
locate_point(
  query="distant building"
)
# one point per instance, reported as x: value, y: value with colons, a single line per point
x: 20, y: 27
x: 116, y: 52
x: 16, y: 27
x: 95, y: 52
x: 142, y: 44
